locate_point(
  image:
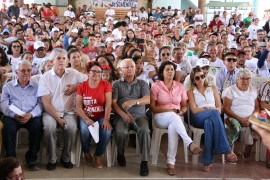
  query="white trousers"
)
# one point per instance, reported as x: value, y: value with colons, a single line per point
x: 175, y: 126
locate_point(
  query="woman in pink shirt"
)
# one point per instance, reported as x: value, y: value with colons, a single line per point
x: 169, y: 103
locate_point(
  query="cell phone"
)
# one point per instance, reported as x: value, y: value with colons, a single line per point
x: 140, y: 41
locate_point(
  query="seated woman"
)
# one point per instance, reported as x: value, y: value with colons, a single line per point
x: 169, y: 103
x: 10, y: 168
x: 93, y: 103
x: 205, y: 105
x: 240, y: 102
x: 264, y: 98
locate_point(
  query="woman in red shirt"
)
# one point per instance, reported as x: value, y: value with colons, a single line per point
x: 93, y: 104
x: 216, y: 22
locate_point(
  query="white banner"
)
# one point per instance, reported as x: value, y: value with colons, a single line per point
x: 115, y: 3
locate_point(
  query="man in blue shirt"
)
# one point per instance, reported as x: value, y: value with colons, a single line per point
x: 22, y: 93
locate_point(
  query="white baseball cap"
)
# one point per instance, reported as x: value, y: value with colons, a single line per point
x: 75, y: 30
x: 38, y: 44
x: 118, y: 44
x: 203, y: 62
x: 55, y: 29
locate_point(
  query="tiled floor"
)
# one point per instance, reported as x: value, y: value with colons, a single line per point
x: 249, y: 169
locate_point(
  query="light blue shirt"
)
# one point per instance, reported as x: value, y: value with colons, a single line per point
x: 23, y: 98
x: 225, y: 79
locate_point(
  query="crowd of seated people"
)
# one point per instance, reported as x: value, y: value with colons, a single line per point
x: 147, y: 66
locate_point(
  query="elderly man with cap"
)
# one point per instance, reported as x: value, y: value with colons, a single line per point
x: 226, y: 76
x: 40, y: 53
x: 205, y: 65
x: 142, y: 13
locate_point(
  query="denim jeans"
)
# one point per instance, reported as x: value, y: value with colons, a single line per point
x: 104, y: 137
x: 35, y: 129
x: 215, y: 141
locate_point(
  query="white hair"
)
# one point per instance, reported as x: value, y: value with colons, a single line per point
x: 57, y: 51
x: 20, y: 63
x: 243, y: 72
x: 127, y: 60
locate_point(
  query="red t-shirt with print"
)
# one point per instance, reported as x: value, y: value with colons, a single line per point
x: 94, y: 98
x: 91, y: 53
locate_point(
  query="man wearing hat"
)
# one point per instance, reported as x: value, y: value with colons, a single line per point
x: 69, y: 12
x: 253, y: 28
x: 205, y: 65
x: 241, y: 58
x: 226, y: 76
x: 5, y: 33
x: 40, y: 53
x: 55, y: 37
x: 143, y: 13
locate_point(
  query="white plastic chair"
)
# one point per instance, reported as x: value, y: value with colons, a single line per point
x: 114, y: 147
x: 155, y: 143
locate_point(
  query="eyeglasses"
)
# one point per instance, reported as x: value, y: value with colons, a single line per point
x: 164, y: 54
x: 231, y: 59
x: 197, y: 78
x: 96, y: 72
x: 16, y: 177
x: 16, y: 46
x: 245, y: 79
x: 25, y: 70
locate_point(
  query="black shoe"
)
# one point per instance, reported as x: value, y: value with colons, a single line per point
x: 144, y: 171
x: 67, y: 165
x: 121, y: 160
x: 31, y: 166
x: 51, y: 166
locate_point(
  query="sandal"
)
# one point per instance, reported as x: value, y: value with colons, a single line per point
x: 194, y: 149
x: 231, y: 158
x: 171, y: 170
x: 207, y: 168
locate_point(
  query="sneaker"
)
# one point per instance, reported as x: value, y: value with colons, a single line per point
x: 121, y: 160
x: 51, y: 166
x: 144, y: 171
x: 67, y: 165
x: 31, y: 166
x: 98, y: 162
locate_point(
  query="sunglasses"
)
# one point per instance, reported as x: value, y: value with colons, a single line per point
x: 197, y: 78
x: 16, y: 46
x: 231, y: 59
x: 164, y: 54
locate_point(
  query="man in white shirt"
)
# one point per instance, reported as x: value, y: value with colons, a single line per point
x: 56, y: 88
x: 215, y: 62
x: 110, y: 13
x: 198, y: 18
x: 143, y: 13
x: 225, y: 18
x: 253, y: 28
x: 40, y: 53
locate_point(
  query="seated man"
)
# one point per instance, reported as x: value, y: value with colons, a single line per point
x: 226, y: 76
x: 22, y: 93
x: 130, y: 95
x: 56, y: 88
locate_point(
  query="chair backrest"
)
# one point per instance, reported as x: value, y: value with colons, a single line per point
x: 257, y: 82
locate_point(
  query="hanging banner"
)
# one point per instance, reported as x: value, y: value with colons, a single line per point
x: 115, y: 3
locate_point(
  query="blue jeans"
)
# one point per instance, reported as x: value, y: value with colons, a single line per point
x: 35, y: 129
x: 215, y: 138
x: 104, y: 137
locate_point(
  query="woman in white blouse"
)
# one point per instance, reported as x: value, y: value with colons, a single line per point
x: 205, y: 105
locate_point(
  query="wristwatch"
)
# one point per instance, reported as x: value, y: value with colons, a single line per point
x: 137, y: 103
